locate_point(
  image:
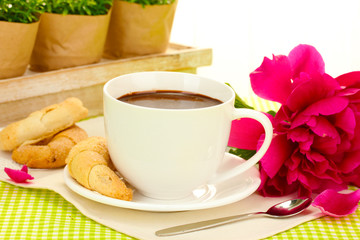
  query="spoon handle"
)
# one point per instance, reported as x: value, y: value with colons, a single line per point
x: 196, y: 226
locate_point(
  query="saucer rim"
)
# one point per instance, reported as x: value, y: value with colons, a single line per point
x: 253, y: 183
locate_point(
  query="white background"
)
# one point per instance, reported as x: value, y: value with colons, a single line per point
x: 241, y: 33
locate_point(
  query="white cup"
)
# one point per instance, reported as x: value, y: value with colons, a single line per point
x: 167, y: 153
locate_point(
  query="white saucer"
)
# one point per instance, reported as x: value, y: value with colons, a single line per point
x: 207, y: 196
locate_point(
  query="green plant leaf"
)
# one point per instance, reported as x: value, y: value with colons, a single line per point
x: 149, y: 2
x: 77, y: 7
x: 243, y: 153
x: 20, y: 11
x: 272, y: 113
x: 239, y: 103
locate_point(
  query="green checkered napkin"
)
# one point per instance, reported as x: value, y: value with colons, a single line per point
x: 43, y: 214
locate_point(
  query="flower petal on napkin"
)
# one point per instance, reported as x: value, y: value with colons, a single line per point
x: 337, y: 204
x: 19, y: 176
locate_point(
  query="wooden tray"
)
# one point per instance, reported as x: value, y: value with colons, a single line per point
x: 32, y: 91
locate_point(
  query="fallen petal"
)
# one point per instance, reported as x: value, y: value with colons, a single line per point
x: 337, y: 204
x: 24, y: 169
x: 19, y: 176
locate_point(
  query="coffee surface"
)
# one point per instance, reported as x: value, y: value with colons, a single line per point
x: 169, y: 99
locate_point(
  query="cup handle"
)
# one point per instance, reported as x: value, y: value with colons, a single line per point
x: 266, y: 123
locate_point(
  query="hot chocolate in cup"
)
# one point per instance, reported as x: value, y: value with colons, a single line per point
x: 167, y: 132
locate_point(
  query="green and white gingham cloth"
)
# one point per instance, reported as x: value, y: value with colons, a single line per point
x: 43, y: 214
x: 27, y: 213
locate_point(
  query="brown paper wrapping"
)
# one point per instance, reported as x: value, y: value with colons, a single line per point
x: 135, y: 30
x: 16, y: 44
x: 69, y: 40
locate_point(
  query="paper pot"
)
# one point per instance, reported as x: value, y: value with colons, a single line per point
x: 16, y: 44
x: 69, y: 40
x: 136, y: 30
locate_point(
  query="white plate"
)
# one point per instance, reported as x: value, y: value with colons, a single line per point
x: 207, y: 196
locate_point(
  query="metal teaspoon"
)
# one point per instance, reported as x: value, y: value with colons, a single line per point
x: 281, y: 210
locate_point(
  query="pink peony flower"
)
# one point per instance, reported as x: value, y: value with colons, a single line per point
x: 316, y: 143
x: 19, y: 176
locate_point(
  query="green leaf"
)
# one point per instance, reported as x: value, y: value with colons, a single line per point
x: 77, y: 7
x: 243, y: 153
x: 149, y: 2
x: 239, y: 103
x: 20, y: 11
x: 272, y: 113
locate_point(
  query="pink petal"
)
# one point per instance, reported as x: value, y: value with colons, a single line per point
x: 19, y: 176
x: 352, y: 178
x: 349, y: 79
x: 337, y: 204
x: 292, y: 176
x: 356, y: 139
x: 350, y: 162
x: 305, y: 58
x: 348, y: 92
x: 301, y: 136
x: 320, y: 169
x: 326, y: 145
x: 279, y: 151
x: 324, y: 128
x: 345, y: 144
x: 317, y: 184
x: 295, y: 160
x: 272, y: 80
x: 310, y: 91
x: 282, y: 119
x: 24, y: 169
x: 327, y: 106
x: 329, y: 184
x: 346, y: 120
x: 245, y: 133
x: 277, y: 186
